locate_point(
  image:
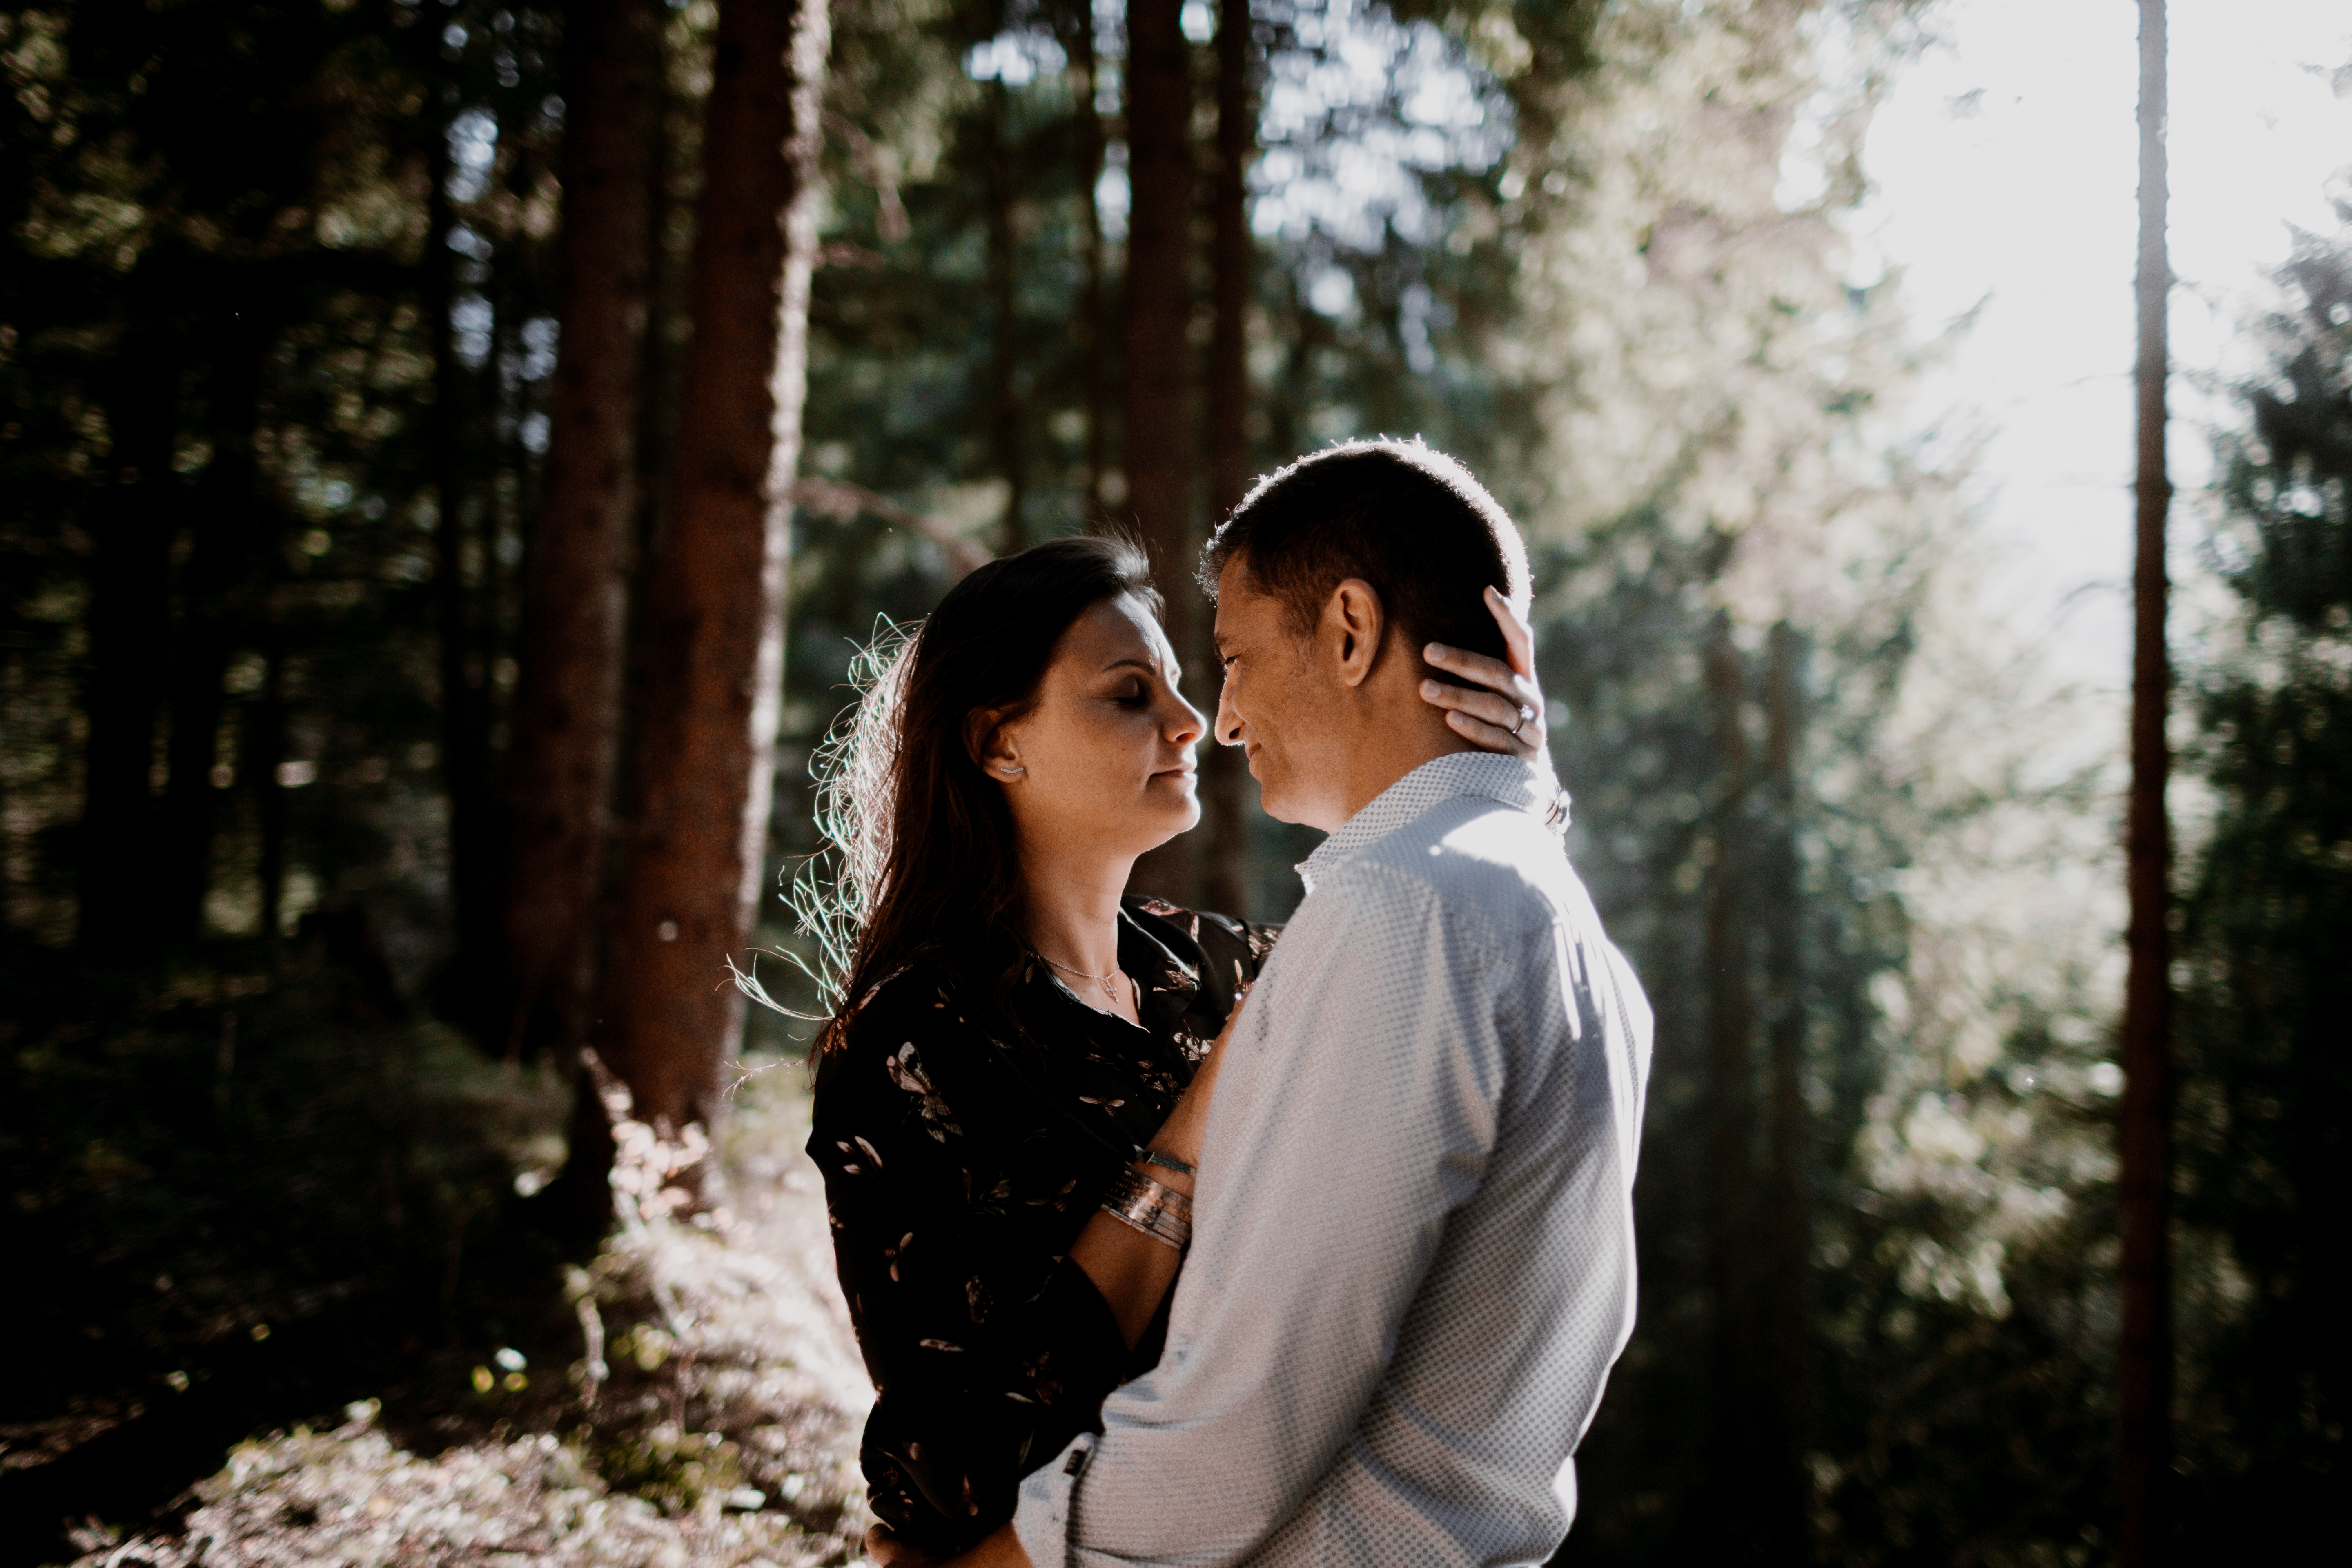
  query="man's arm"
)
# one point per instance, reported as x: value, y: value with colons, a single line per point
x: 1356, y: 1113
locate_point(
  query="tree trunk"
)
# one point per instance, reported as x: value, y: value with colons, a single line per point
x: 1158, y: 457
x: 1079, y: 26
x: 1004, y: 326
x: 1225, y: 851
x: 1304, y: 333
x: 1732, y: 1111
x: 566, y: 721
x: 715, y: 606
x: 465, y: 727
x: 130, y: 605
x: 1785, y: 1372
x: 212, y: 612
x: 2144, y: 1363
x: 264, y: 739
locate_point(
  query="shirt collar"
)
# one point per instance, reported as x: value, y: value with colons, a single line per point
x: 1515, y: 782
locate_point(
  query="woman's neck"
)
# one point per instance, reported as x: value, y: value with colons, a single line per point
x: 1073, y: 900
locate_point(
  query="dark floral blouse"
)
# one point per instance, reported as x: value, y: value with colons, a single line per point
x: 965, y: 1141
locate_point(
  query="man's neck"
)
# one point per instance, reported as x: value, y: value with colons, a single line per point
x: 1378, y: 773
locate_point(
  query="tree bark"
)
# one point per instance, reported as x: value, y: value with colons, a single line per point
x: 566, y: 721
x: 2144, y: 1361
x: 130, y: 593
x: 715, y: 606
x: 1158, y: 450
x: 1224, y: 850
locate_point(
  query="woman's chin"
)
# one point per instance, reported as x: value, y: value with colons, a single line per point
x: 1170, y: 816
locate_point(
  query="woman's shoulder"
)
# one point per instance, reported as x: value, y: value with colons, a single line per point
x: 1222, y: 940
x: 918, y: 999
x: 908, y: 1033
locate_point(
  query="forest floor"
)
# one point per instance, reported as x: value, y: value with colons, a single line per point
x: 399, y: 1368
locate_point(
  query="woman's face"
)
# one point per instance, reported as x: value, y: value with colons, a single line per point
x: 1103, y: 761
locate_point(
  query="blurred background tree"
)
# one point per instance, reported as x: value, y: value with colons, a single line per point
x: 2260, y: 980
x: 350, y: 356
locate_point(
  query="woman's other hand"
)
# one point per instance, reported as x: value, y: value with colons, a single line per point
x: 1508, y: 714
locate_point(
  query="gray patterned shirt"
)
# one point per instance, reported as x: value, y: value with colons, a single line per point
x: 1413, y: 1254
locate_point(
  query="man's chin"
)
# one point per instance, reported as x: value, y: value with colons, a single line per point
x: 1274, y: 802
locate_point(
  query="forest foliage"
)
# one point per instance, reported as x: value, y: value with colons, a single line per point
x: 278, y: 333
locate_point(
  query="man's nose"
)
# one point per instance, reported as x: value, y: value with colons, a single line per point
x: 1229, y: 724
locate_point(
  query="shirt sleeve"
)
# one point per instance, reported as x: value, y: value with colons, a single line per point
x: 1357, y: 1111
x: 988, y: 1349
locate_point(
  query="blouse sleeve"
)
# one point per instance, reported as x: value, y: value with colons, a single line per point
x: 951, y: 1219
x: 1233, y: 950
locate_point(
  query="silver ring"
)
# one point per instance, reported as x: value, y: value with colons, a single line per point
x: 1525, y: 713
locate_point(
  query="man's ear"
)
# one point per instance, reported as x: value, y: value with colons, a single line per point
x: 1354, y: 623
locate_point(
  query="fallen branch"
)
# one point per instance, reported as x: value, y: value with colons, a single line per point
x: 841, y: 501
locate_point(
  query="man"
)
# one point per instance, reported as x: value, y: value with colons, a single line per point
x: 1413, y: 1257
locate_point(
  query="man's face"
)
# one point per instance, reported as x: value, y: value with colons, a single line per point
x: 1268, y: 705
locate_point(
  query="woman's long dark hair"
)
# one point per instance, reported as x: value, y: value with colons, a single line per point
x: 919, y: 842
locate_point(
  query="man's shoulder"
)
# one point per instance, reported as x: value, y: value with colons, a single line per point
x: 1468, y: 857
x: 1470, y: 847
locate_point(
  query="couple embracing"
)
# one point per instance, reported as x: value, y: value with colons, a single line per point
x: 1146, y: 1275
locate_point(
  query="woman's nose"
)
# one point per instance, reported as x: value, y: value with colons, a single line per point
x: 1188, y: 726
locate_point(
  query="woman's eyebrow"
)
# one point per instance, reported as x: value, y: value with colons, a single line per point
x: 1150, y: 667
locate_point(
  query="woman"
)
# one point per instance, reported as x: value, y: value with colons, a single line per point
x: 1010, y: 1094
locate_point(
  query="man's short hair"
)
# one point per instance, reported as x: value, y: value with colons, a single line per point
x: 1408, y: 520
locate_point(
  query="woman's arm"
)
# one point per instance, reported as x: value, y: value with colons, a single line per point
x: 950, y: 1215
x: 1133, y: 1271
x: 988, y: 1352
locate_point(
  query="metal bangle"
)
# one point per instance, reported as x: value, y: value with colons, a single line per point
x: 1157, y: 1212
x: 1133, y: 1193
x: 1165, y: 1162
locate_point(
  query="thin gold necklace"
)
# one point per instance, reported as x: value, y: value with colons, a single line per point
x: 1102, y: 980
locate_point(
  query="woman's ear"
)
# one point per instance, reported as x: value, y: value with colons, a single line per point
x: 992, y: 745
